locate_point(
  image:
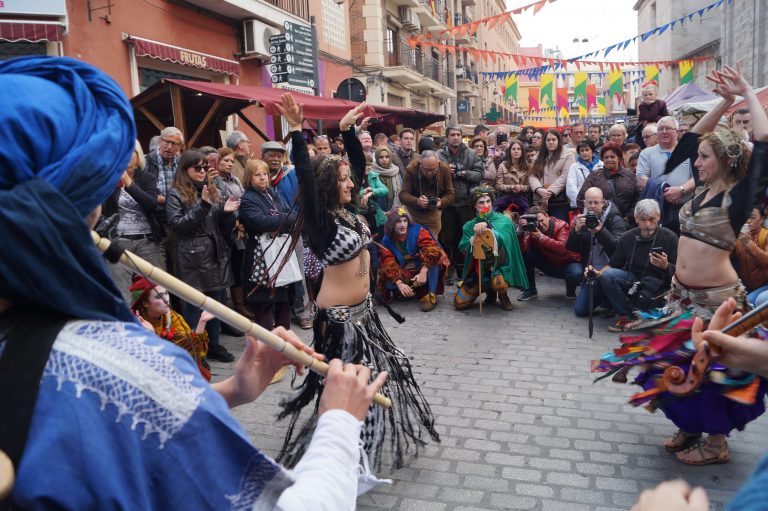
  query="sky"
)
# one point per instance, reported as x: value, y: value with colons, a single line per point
x: 602, y: 22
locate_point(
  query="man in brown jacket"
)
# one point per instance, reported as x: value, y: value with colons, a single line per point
x: 427, y: 189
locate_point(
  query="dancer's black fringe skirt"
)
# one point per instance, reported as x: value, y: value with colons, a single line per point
x: 355, y: 334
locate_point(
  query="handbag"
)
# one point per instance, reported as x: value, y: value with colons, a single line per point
x: 279, y: 251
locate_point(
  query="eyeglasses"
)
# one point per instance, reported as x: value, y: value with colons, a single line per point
x: 171, y: 143
x: 199, y: 167
x: 662, y: 129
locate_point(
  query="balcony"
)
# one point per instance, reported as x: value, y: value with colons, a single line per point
x: 271, y: 11
x: 436, y: 79
x: 461, y: 19
x: 468, y: 85
x: 406, y: 3
x: 432, y: 19
x: 405, y: 65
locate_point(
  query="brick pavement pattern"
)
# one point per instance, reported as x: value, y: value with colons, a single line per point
x: 522, y: 424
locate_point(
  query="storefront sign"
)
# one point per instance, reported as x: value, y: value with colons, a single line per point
x: 34, y: 7
x: 462, y: 105
x: 167, y: 52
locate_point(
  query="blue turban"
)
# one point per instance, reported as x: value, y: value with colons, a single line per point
x: 68, y: 134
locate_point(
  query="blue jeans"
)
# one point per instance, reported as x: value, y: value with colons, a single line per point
x: 581, y: 307
x: 614, y: 283
x: 533, y: 259
x: 192, y: 316
x: 758, y: 296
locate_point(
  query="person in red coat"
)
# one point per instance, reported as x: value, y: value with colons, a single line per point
x: 544, y: 248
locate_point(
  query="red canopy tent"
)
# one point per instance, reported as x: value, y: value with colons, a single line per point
x: 762, y: 95
x: 189, y: 103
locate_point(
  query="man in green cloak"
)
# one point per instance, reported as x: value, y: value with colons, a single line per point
x: 493, y: 255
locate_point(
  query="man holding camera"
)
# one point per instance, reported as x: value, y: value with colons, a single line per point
x: 466, y: 172
x: 544, y: 248
x: 427, y: 189
x: 641, y: 267
x: 594, y: 235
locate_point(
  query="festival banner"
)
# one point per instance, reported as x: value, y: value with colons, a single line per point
x: 510, y: 92
x: 616, y: 81
x: 547, y: 91
x: 601, y: 108
x: 562, y: 101
x: 591, y: 96
x: 533, y: 99
x: 580, y: 87
x: 583, y: 111
x: 686, y: 71
x: 651, y: 74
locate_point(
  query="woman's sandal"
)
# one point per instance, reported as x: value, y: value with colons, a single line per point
x: 680, y: 441
x: 702, y: 453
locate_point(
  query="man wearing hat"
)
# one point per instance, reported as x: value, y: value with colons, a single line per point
x: 283, y: 179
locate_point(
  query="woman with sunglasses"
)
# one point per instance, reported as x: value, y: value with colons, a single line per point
x: 202, y: 220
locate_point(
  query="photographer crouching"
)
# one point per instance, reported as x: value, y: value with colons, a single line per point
x: 641, y: 267
x: 544, y: 248
x: 594, y: 235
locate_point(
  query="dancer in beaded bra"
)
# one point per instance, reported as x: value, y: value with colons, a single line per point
x: 730, y: 182
x: 345, y: 325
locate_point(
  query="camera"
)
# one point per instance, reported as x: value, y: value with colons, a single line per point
x: 591, y: 220
x: 432, y: 202
x: 531, y: 224
x: 642, y: 292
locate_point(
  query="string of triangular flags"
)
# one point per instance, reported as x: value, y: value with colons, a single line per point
x: 470, y: 28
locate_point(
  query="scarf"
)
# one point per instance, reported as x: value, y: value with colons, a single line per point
x: 391, y: 178
x: 275, y: 178
x: 590, y: 164
x: 68, y: 134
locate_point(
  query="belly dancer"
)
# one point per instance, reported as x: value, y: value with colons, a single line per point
x: 345, y: 325
x: 730, y: 182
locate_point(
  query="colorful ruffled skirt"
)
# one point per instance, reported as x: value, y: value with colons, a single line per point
x: 727, y: 399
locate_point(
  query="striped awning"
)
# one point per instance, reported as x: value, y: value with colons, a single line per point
x: 184, y: 56
x: 30, y: 31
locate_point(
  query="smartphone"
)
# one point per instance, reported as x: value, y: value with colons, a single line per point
x: 213, y: 160
x: 658, y: 250
x: 501, y: 138
x: 374, y: 120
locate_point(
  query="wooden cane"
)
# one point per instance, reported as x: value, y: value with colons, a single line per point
x: 222, y: 312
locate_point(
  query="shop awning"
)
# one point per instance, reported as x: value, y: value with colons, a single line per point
x: 762, y: 95
x: 30, y: 31
x: 183, y: 56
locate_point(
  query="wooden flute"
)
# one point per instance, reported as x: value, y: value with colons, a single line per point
x: 222, y: 312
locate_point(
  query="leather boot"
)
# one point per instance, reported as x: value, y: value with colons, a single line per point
x: 238, y: 302
x: 504, y: 301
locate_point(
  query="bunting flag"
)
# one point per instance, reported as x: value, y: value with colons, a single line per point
x: 686, y: 71
x: 510, y: 92
x: 616, y: 81
x: 533, y: 99
x: 583, y: 111
x: 562, y: 101
x: 591, y: 96
x: 601, y: 109
x: 651, y: 74
x: 547, y: 90
x: 580, y: 87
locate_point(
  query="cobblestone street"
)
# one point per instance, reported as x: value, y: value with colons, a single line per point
x: 522, y: 424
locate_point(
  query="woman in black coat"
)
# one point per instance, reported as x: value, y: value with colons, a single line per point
x: 202, y: 220
x: 264, y: 211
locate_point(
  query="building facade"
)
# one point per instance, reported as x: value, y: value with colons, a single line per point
x: 744, y: 39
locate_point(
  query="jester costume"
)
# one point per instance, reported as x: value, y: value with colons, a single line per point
x: 503, y: 266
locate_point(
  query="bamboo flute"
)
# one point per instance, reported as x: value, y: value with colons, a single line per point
x: 224, y: 313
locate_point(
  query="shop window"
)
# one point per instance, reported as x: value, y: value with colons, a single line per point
x: 149, y: 77
x: 10, y: 50
x: 390, y: 46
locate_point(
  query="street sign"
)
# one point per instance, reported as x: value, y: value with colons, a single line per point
x: 293, y: 56
x: 462, y: 105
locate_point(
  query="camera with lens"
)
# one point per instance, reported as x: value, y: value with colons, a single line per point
x: 432, y: 202
x: 531, y: 224
x: 591, y: 220
x: 642, y: 293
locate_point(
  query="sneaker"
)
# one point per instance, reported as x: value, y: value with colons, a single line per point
x: 220, y: 353
x: 527, y: 295
x: 305, y: 323
x: 620, y: 325
x: 570, y: 294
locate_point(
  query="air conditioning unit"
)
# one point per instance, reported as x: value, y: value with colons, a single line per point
x: 256, y: 36
x: 409, y: 19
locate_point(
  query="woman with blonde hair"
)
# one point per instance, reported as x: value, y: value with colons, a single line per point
x: 135, y: 201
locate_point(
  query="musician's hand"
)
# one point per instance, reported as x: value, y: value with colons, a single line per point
x: 257, y: 366
x: 480, y: 228
x: 673, y: 496
x: 745, y: 353
x: 347, y: 388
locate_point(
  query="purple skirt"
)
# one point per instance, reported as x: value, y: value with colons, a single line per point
x: 706, y: 411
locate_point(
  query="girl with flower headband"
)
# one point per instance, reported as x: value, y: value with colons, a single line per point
x: 729, y: 182
x: 345, y: 324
